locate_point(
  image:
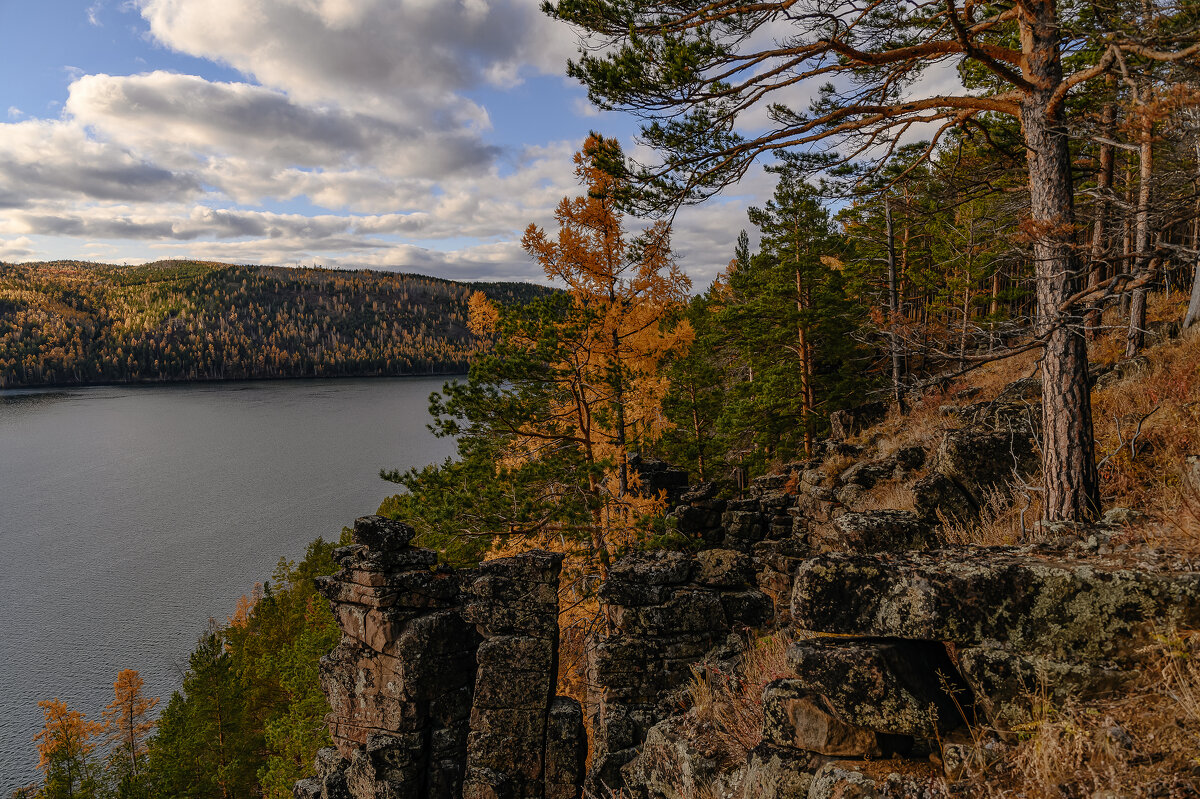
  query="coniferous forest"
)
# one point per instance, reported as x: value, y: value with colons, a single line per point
x: 1030, y: 241
x: 73, y: 323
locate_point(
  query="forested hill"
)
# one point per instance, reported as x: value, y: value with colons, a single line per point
x: 69, y: 322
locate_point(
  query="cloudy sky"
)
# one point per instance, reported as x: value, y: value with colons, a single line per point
x: 417, y: 135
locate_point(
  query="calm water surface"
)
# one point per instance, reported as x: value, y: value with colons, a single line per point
x: 129, y: 516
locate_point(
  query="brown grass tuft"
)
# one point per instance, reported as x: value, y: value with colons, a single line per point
x: 890, y: 495
x: 731, y: 704
x: 1004, y: 520
x: 1142, y: 744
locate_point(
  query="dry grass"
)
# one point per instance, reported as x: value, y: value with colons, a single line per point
x: 730, y: 705
x: 1144, y: 744
x: 834, y: 465
x: 724, y: 720
x: 1146, y: 426
x: 1004, y: 520
x: 923, y: 425
x: 889, y: 495
x: 993, y: 377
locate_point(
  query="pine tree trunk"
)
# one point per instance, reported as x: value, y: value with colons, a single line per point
x: 699, y: 438
x: 1193, y: 310
x: 1072, y: 486
x: 1127, y: 241
x: 1104, y: 178
x: 1135, y: 338
x: 805, y: 369
x: 893, y: 310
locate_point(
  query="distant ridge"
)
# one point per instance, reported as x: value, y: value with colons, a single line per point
x: 78, y: 323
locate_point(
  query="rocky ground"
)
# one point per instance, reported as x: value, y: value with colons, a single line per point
x: 884, y: 619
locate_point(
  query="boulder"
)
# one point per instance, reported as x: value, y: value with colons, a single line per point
x: 1072, y: 609
x: 845, y: 423
x: 651, y: 568
x: 566, y: 749
x: 865, y: 780
x: 381, y: 533
x: 982, y: 462
x: 881, y: 531
x: 678, y: 761
x: 775, y: 772
x: 895, y: 687
x: 723, y: 568
x: 868, y: 473
x: 937, y: 497
x: 795, y: 717
x: 1014, y: 689
x: 909, y: 458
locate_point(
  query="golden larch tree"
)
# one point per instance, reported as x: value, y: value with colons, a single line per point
x: 126, y: 718
x: 626, y: 288
x: 63, y: 745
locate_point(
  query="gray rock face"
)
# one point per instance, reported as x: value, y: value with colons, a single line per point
x: 1051, y: 606
x: 566, y: 749
x: 868, y: 781
x: 513, y: 603
x: 439, y: 691
x: 1013, y: 689
x: 846, y: 423
x: 795, y: 717
x: 937, y: 497
x: 443, y: 685
x: 969, y: 467
x: 895, y: 687
x: 665, y: 611
x: 671, y: 765
x: 882, y: 531
x: 774, y: 772
x: 400, y: 680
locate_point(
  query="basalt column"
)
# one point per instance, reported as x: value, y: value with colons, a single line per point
x: 401, y: 680
x: 524, y: 743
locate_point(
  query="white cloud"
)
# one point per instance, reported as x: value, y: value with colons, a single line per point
x: 356, y: 108
x: 16, y: 249
x: 374, y: 54
x: 52, y: 159
x: 172, y: 116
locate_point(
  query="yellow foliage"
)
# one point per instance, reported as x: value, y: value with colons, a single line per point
x: 126, y: 722
x: 627, y: 289
x: 65, y: 737
x: 482, y: 314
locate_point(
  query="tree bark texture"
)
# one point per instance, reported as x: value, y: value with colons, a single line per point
x: 1104, y: 179
x: 1135, y: 338
x: 893, y: 310
x: 1072, y: 486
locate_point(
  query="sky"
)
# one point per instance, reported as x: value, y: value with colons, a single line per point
x: 410, y: 135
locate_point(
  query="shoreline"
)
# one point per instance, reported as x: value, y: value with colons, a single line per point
x: 218, y: 380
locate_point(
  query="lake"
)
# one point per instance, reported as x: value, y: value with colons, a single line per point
x: 131, y: 515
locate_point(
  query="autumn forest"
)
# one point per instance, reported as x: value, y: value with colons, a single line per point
x: 1050, y: 212
x: 70, y: 323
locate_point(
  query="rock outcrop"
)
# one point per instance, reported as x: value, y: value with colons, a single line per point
x: 400, y: 681
x: 444, y: 684
x: 524, y: 742
x: 664, y: 612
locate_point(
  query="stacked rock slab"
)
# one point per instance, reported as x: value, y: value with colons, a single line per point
x: 524, y: 742
x: 664, y: 612
x: 939, y: 637
x: 401, y: 680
